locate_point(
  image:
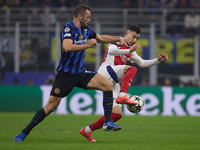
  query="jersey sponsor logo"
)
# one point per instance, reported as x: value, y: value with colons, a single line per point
x: 81, y: 41
x: 67, y: 29
x: 67, y: 35
x: 124, y: 58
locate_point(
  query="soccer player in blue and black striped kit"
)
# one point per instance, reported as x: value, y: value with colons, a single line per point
x: 71, y: 71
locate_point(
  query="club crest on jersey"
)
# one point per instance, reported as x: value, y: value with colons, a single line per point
x: 57, y: 91
x: 81, y: 36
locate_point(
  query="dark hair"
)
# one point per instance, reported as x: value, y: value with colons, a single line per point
x: 135, y: 28
x: 80, y: 9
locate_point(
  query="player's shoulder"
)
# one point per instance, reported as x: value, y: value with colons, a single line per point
x: 67, y: 27
x: 117, y: 45
x: 88, y: 28
x: 113, y: 45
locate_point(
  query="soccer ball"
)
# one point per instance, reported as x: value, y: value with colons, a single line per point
x: 135, y: 108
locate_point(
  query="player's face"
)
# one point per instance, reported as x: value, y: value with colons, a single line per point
x: 131, y: 37
x: 85, y: 19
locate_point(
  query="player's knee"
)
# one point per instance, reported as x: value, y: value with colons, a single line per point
x: 132, y: 69
x: 109, y: 86
x: 51, y: 106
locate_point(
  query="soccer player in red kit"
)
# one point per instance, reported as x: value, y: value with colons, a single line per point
x: 115, y: 68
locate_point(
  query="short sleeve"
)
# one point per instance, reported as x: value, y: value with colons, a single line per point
x: 67, y: 32
x: 92, y: 34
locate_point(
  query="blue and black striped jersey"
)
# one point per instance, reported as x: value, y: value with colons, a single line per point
x: 73, y: 62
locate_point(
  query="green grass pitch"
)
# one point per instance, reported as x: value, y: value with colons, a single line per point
x: 59, y: 132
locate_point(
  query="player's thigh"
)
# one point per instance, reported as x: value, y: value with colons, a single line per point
x: 119, y: 71
x: 99, y: 82
x: 125, y: 68
x: 103, y: 71
x: 63, y: 84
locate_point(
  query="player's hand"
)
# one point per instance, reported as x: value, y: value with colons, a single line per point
x: 92, y: 43
x: 162, y: 57
x: 120, y: 42
x: 133, y: 47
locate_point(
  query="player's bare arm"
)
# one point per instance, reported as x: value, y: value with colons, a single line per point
x: 69, y: 46
x: 109, y: 39
x: 162, y: 57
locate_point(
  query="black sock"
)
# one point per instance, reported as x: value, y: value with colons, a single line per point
x: 38, y: 117
x: 107, y: 104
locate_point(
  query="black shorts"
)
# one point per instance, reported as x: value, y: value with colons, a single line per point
x: 65, y: 82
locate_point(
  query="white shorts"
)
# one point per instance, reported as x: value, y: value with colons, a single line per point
x: 114, y: 74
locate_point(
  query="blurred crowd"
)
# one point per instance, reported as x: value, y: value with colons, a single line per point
x: 40, y: 3
x: 191, y: 20
x: 188, y: 24
x: 97, y: 3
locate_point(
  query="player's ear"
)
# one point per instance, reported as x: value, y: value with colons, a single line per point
x: 80, y: 16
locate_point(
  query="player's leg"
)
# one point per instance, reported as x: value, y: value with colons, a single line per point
x: 62, y: 86
x: 98, y: 124
x: 101, y: 83
x: 129, y: 73
x: 115, y: 116
x: 126, y: 80
x: 52, y: 103
x: 123, y: 74
x: 116, y: 111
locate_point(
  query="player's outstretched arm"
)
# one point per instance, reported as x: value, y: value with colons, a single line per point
x: 109, y: 39
x: 162, y: 57
x: 116, y: 51
x: 69, y: 46
x: 147, y: 63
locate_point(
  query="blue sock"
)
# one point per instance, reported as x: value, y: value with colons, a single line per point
x: 107, y: 104
x: 37, y: 118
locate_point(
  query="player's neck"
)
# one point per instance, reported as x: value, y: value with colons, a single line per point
x: 125, y: 41
x: 126, y: 44
x: 77, y: 23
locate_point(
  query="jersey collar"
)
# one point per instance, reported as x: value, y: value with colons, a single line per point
x: 127, y: 45
x: 75, y: 26
x: 83, y: 29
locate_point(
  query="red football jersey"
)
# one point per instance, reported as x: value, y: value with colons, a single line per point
x: 121, y: 59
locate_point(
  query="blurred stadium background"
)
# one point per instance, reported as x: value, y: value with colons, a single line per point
x: 29, y: 41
